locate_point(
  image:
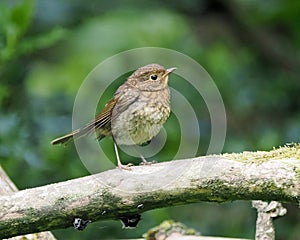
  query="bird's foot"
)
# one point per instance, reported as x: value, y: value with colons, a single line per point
x: 125, y: 167
x: 147, y: 163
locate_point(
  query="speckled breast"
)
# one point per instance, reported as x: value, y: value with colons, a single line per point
x: 141, y: 121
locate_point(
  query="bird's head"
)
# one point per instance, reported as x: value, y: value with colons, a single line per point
x: 152, y: 77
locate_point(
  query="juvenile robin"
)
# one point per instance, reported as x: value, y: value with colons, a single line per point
x: 136, y: 112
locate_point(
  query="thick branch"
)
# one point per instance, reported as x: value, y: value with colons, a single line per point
x: 7, y: 187
x: 108, y: 195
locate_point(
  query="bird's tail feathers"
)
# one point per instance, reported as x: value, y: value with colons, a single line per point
x: 66, y: 138
x: 89, y: 129
x: 74, y: 135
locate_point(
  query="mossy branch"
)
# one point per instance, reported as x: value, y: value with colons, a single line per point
x: 7, y: 187
x: 266, y: 176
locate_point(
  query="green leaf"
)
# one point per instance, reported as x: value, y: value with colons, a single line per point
x: 21, y: 15
x: 14, y: 21
x: 44, y: 40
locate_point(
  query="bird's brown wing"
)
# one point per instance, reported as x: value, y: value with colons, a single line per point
x: 101, y: 125
x: 103, y: 119
x: 122, y: 99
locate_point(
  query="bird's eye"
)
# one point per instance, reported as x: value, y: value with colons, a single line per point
x: 153, y: 76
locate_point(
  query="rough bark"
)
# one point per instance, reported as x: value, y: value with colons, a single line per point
x: 263, y: 176
x: 8, y: 187
x: 264, y: 223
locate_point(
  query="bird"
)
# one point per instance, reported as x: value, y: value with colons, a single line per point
x: 135, y: 114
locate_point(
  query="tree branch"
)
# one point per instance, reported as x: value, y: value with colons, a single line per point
x: 263, y: 176
x: 264, y: 223
x: 7, y: 187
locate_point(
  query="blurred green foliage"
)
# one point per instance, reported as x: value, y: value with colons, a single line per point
x: 250, y: 48
x: 14, y: 23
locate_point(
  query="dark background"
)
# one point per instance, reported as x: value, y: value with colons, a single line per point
x: 250, y: 48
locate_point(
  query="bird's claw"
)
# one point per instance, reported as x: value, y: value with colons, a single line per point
x: 146, y: 163
x: 125, y: 167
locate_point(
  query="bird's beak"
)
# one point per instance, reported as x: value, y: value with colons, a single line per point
x: 169, y: 70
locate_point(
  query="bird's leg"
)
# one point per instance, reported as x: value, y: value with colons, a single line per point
x: 144, y: 161
x: 120, y: 165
